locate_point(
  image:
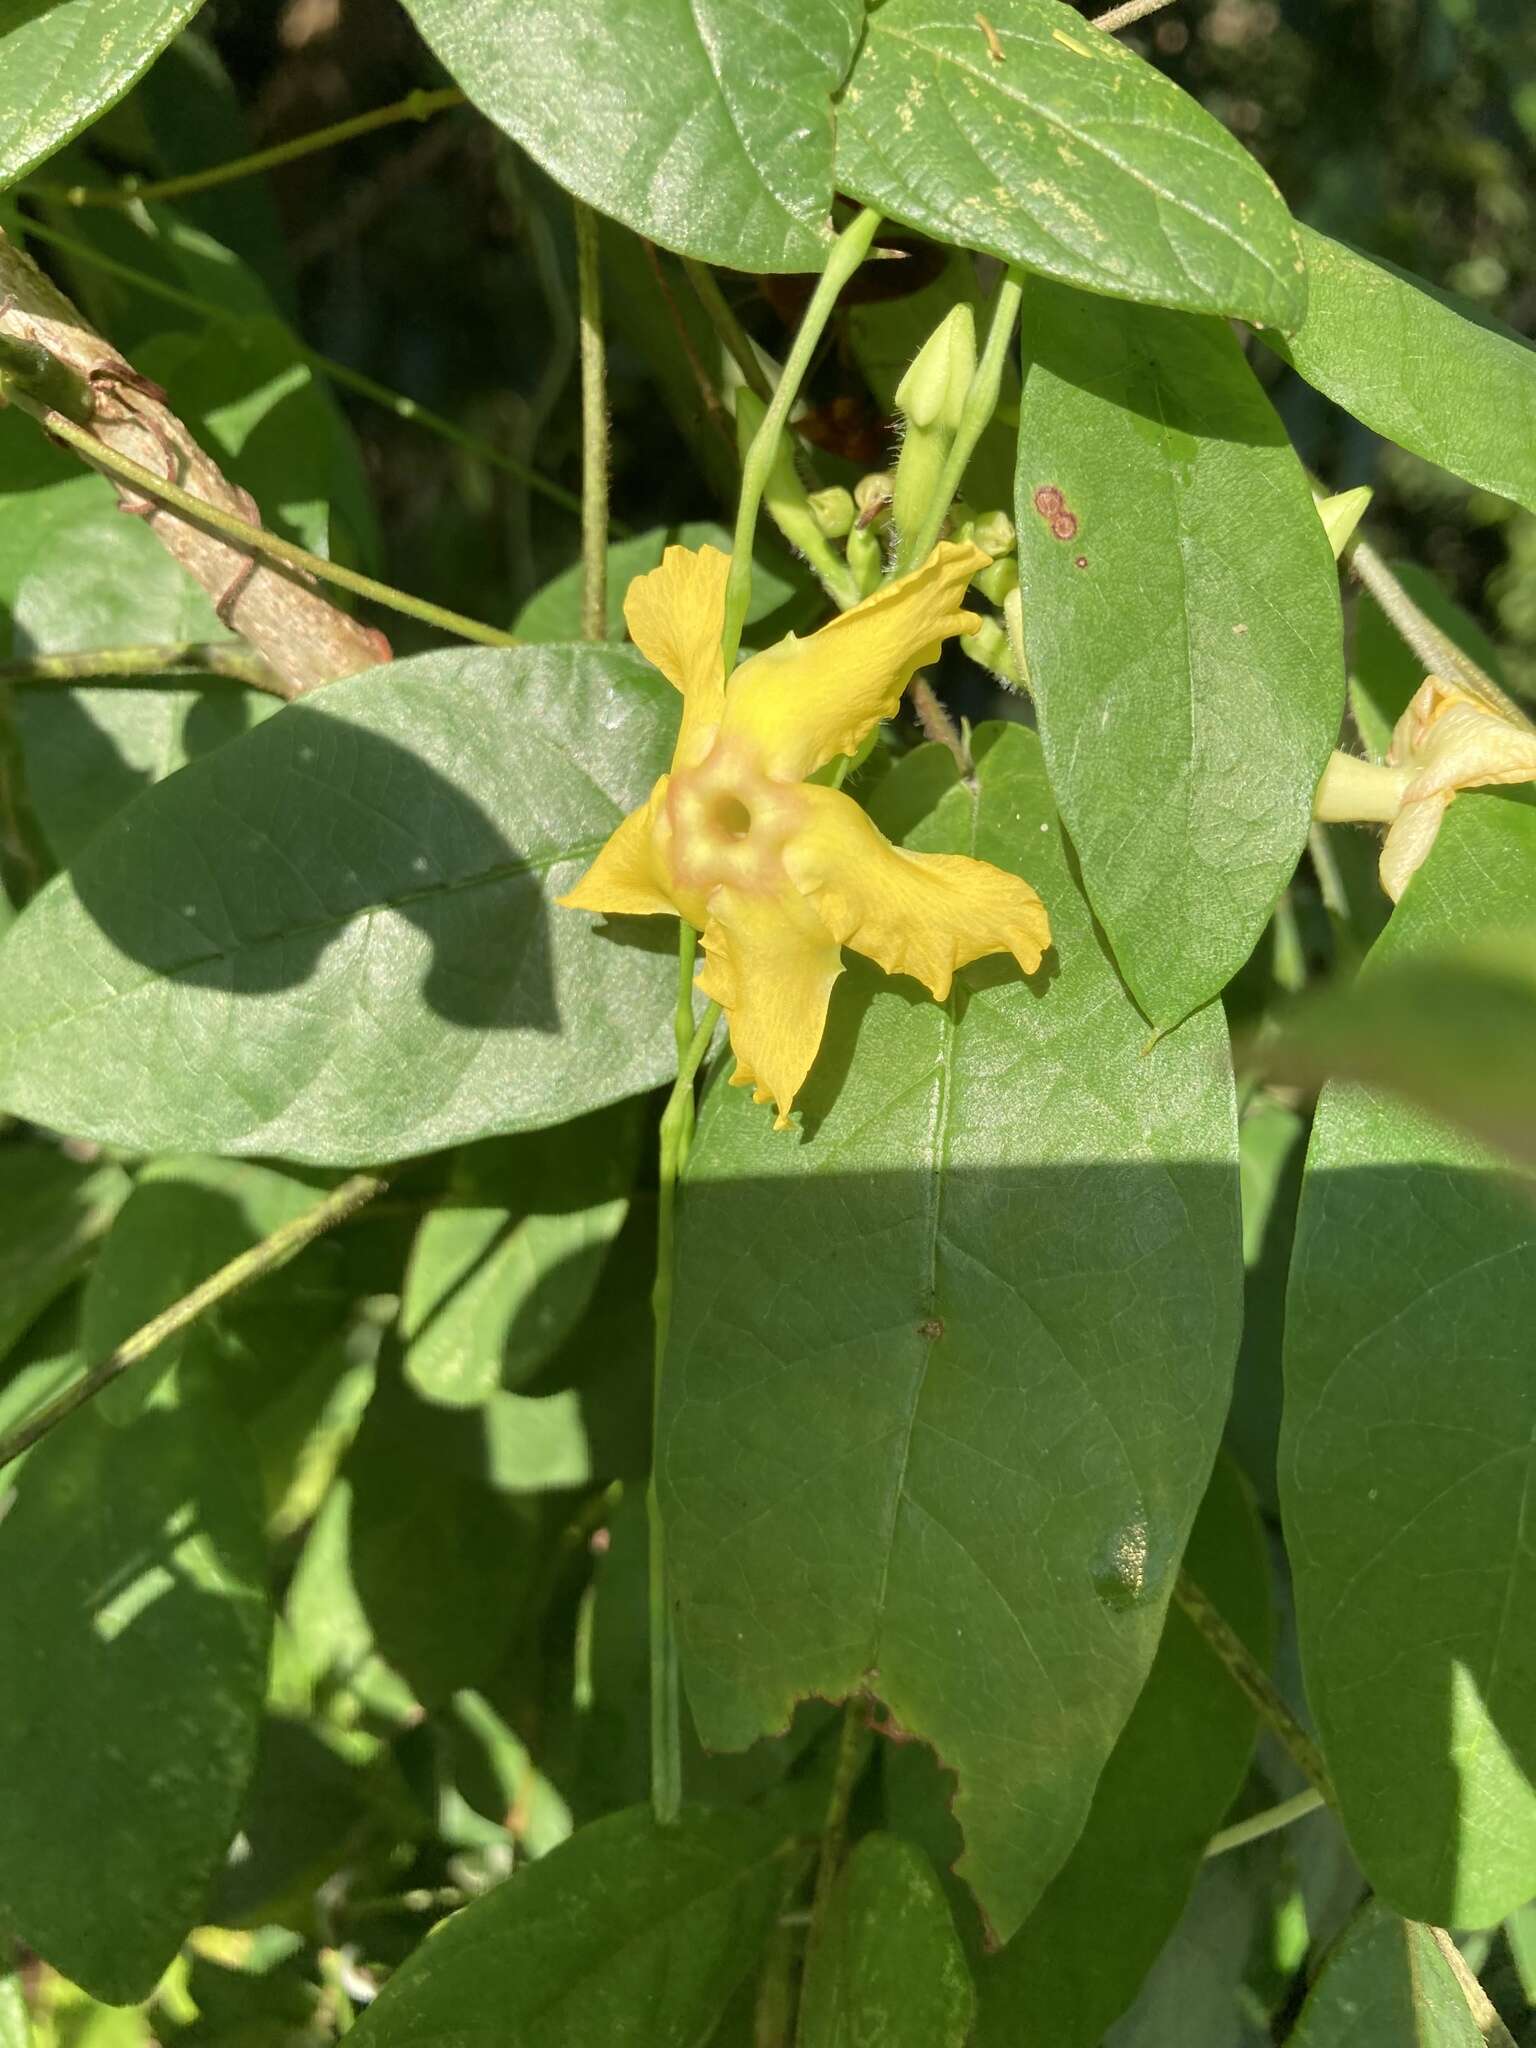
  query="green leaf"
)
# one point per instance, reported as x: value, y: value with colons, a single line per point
x: 61, y: 66
x: 1072, y: 157
x: 336, y: 939
x: 1272, y: 1148
x: 1407, y: 1456
x: 1193, y: 1993
x: 731, y: 162
x: 1183, y: 636
x: 132, y: 1607
x: 888, y: 1972
x: 1079, y: 1958
x: 503, y: 1269
x: 1385, y: 672
x: 1430, y: 372
x: 1387, y: 1984
x: 53, y: 1212
x: 628, y: 1934
x: 15, y: 2024
x: 947, y: 1371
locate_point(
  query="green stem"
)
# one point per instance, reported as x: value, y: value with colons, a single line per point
x: 980, y: 404
x: 1269, y: 1822
x: 1255, y: 1682
x: 185, y: 658
x: 263, y: 1258
x: 35, y: 372
x: 1439, y: 653
x: 594, y: 431
x: 395, y: 402
x: 256, y: 539
x: 848, y: 252
x: 852, y: 1750
x: 730, y: 330
x: 1122, y: 17
x: 416, y: 106
x: 666, y: 1691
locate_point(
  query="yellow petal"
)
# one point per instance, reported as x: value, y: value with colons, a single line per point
x: 770, y: 963
x: 805, y: 701
x: 1470, y: 748
x: 923, y: 914
x: 624, y: 880
x: 1411, y: 836
x: 675, y: 616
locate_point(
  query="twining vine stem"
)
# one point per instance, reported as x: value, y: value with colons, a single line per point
x: 261, y: 1259
x: 1439, y: 653
x: 594, y: 431
x: 1269, y: 1822
x: 676, y: 1138
x: 1254, y: 1681
x: 258, y: 541
x: 396, y: 402
x: 191, y: 659
x: 416, y: 106
x: 1122, y: 17
x: 730, y: 330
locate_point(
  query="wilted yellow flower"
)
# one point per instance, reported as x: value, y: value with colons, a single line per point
x: 779, y: 873
x: 1446, y: 740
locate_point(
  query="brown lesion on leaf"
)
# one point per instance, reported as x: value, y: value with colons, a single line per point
x: 1051, y: 503
x: 932, y: 1328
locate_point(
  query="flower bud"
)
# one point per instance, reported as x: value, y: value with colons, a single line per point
x: 872, y: 495
x: 866, y: 559
x: 833, y: 510
x: 998, y: 579
x: 931, y: 398
x: 989, y: 649
x: 993, y: 533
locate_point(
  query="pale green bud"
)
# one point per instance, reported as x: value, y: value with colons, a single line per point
x: 932, y: 393
x: 833, y: 510
x: 990, y: 649
x: 998, y: 579
x: 1341, y: 515
x: 993, y: 533
x: 866, y: 559
x: 872, y: 495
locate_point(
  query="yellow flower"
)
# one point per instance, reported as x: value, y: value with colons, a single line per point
x: 1446, y: 740
x: 779, y: 873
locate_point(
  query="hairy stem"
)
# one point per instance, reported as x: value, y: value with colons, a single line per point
x: 1436, y: 650
x: 416, y: 106
x: 848, y: 252
x: 256, y: 540
x: 261, y: 1259
x: 676, y: 1137
x: 189, y: 658
x: 1122, y: 17
x: 1253, y: 1680
x: 594, y: 431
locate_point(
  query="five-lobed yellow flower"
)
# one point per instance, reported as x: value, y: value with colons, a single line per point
x: 779, y: 873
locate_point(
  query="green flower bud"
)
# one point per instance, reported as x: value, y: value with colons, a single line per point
x: 990, y: 649
x: 866, y: 559
x: 833, y: 510
x: 998, y: 579
x: 931, y: 398
x: 872, y: 495
x: 993, y: 533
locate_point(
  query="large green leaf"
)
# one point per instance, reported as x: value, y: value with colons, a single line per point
x: 62, y: 64
x: 947, y: 1371
x: 135, y: 1626
x: 1182, y: 630
x: 1387, y: 1984
x: 888, y: 1971
x: 1194, y: 1991
x: 1407, y: 1460
x: 1078, y: 1960
x: 1072, y: 156
x: 701, y: 124
x: 335, y: 938
x: 53, y: 1212
x: 1432, y: 373
x: 628, y: 1934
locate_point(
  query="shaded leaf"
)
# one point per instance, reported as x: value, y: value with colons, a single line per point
x: 1386, y: 1984
x: 1183, y: 637
x: 1194, y: 1991
x: 1430, y: 372
x: 628, y: 1934
x: 721, y: 151
x: 1407, y: 1455
x: 62, y: 66
x: 335, y: 938
x: 136, y: 1627
x: 1072, y: 156
x: 53, y: 1212
x: 947, y: 1371
x: 889, y: 1972
x: 1078, y: 1960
